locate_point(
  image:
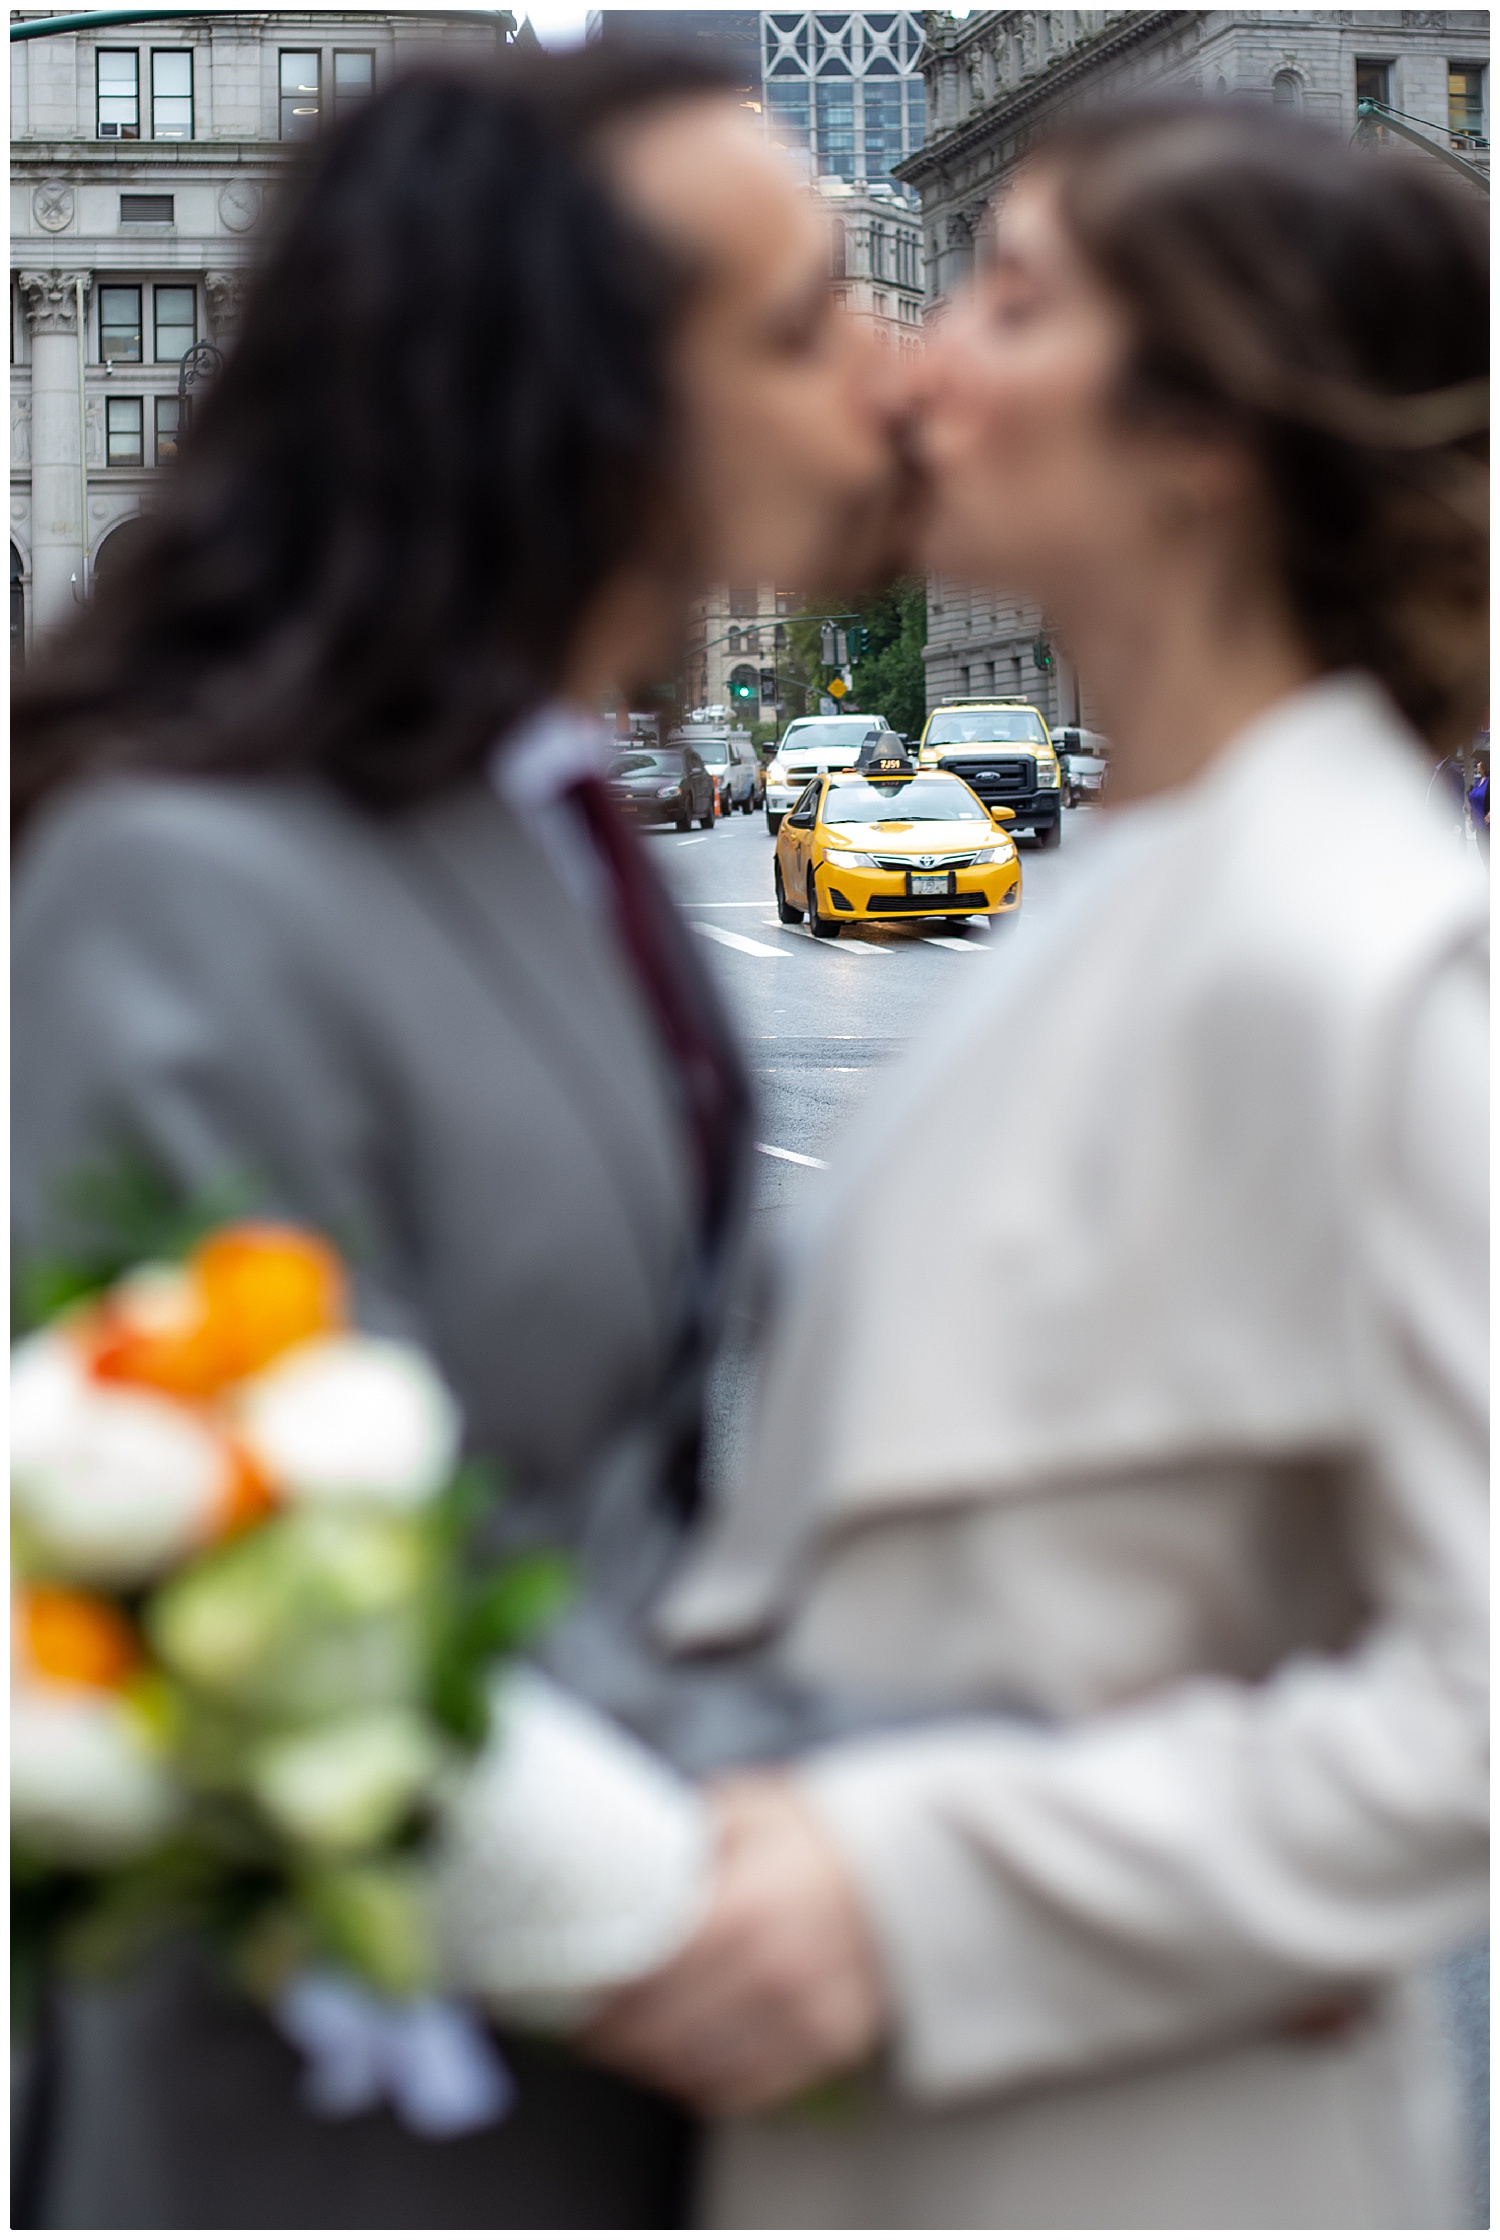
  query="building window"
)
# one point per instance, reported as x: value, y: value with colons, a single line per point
x: 1286, y: 90
x: 166, y: 429
x: 916, y: 115
x: 119, y: 89
x: 752, y: 641
x: 734, y: 642
x: 176, y: 323
x: 1372, y: 82
x: 882, y: 127
x: 781, y: 637
x: 17, y: 609
x: 124, y: 420
x: 120, y: 325
x: 963, y: 682
x: 353, y: 82
x: 147, y: 209
x: 172, y: 93
x: 786, y: 99
x: 744, y: 600
x: 840, y: 265
x: 835, y: 111
x: 301, y: 82
x: 1466, y: 100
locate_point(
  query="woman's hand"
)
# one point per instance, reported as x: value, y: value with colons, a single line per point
x: 780, y: 1987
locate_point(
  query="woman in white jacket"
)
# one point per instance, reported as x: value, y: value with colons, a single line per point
x: 1161, y: 1521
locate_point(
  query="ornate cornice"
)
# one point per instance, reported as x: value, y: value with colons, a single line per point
x: 1003, y: 113
x: 50, y: 300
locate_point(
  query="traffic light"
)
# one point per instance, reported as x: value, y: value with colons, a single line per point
x: 859, y: 642
x: 742, y: 688
x: 1041, y: 653
x: 828, y: 647
x: 768, y: 687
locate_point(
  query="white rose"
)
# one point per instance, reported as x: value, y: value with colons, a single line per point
x: 87, y: 1787
x: 347, y: 1785
x: 352, y: 1418
x: 111, y: 1483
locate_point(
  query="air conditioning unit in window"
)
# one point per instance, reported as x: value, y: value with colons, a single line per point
x: 109, y: 132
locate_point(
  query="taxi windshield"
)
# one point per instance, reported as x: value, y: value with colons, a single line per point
x: 901, y: 800
x: 982, y: 727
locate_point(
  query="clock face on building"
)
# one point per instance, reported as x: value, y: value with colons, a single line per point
x: 239, y: 205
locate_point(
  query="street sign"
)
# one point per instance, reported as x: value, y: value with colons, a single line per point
x: 837, y: 687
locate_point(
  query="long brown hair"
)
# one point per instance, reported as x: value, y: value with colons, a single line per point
x: 1329, y: 307
x: 444, y: 422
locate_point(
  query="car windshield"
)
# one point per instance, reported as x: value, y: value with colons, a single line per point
x: 983, y: 727
x: 819, y: 739
x: 902, y: 800
x: 666, y: 760
x: 715, y: 752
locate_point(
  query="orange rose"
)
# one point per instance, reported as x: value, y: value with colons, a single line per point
x: 79, y: 1640
x: 246, y: 1294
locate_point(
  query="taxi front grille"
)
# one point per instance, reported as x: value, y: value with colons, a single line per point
x: 943, y: 863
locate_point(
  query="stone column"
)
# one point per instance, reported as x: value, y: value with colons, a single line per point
x: 51, y: 303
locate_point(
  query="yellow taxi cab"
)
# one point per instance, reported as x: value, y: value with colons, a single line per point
x: 910, y: 844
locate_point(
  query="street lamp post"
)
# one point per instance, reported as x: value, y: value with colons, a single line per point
x: 198, y: 366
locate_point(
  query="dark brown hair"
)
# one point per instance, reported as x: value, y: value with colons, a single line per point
x: 446, y: 419
x: 1328, y: 306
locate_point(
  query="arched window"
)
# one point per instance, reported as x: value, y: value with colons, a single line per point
x: 118, y: 547
x: 734, y: 641
x: 1286, y: 90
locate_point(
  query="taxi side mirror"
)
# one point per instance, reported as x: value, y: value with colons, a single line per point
x: 1003, y: 816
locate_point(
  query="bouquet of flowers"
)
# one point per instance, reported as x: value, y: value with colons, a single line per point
x: 262, y: 1688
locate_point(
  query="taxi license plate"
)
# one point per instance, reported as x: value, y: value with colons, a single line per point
x: 929, y: 882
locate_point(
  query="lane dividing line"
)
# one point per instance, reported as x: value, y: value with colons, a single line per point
x: 952, y: 941
x: 740, y: 941
x: 697, y: 842
x: 797, y: 1158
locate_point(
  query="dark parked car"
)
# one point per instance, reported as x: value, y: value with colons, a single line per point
x: 663, y: 785
x: 732, y: 763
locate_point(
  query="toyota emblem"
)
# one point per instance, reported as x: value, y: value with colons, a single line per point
x: 927, y: 862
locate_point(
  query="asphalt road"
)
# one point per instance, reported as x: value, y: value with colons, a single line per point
x: 822, y: 1022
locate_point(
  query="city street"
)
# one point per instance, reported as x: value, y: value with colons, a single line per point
x: 820, y: 1022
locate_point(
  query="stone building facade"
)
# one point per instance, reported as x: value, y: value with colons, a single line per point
x: 999, y: 79
x: 143, y: 160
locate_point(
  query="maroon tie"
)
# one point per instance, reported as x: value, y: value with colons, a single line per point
x: 713, y: 1089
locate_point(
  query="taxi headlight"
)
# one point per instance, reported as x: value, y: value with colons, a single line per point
x: 844, y: 859
x: 1001, y: 854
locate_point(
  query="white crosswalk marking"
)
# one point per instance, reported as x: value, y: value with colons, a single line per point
x: 951, y: 941
x: 797, y: 1158
x: 740, y: 941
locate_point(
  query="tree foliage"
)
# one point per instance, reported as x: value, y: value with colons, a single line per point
x: 891, y: 680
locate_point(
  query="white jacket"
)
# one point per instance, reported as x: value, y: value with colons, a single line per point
x: 1130, y: 1409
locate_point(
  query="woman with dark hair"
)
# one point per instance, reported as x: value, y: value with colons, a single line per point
x: 1172, y: 1524
x: 320, y: 895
